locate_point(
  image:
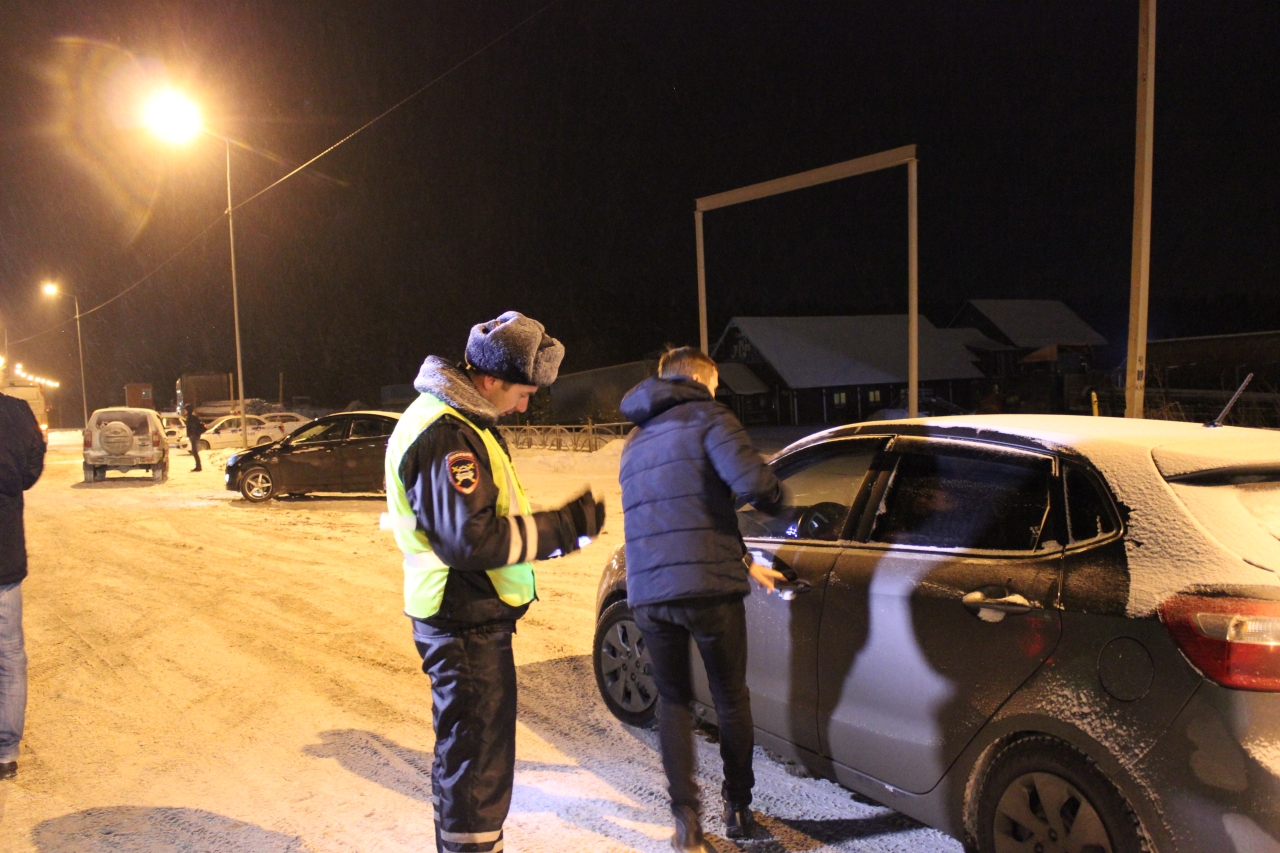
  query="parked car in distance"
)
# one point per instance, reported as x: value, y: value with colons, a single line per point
x: 225, y: 432
x: 1031, y: 632
x: 175, y: 427
x: 336, y: 453
x: 123, y: 439
x: 289, y: 421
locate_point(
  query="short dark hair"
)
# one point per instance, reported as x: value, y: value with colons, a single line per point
x: 686, y: 361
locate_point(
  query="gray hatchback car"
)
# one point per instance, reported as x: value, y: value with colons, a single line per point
x: 1035, y: 633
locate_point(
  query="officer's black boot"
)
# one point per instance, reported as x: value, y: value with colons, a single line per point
x: 739, y: 822
x: 688, y: 836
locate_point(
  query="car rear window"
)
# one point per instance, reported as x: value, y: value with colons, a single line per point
x: 1242, y: 511
x: 136, y: 421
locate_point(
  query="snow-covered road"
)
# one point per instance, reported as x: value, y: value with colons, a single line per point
x: 210, y: 675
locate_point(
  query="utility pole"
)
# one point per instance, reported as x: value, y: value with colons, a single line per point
x: 1140, y: 271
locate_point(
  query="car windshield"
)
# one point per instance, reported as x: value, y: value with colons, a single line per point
x: 1242, y: 511
x: 138, y: 422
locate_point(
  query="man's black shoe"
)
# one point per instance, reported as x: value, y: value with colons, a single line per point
x: 739, y: 822
x: 688, y: 836
x: 8, y: 769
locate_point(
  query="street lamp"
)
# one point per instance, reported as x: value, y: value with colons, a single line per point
x: 51, y: 289
x: 175, y: 118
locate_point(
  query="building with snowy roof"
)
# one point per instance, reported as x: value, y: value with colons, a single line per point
x: 1029, y: 335
x: 796, y: 370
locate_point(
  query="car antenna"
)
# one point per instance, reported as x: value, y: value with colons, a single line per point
x: 1217, y: 422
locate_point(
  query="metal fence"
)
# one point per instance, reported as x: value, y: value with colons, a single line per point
x: 1254, y: 409
x: 586, y: 438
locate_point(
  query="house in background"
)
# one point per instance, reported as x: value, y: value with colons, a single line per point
x: 594, y: 395
x: 804, y: 370
x: 1031, y: 335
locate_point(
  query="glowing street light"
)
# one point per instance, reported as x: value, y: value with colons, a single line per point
x: 51, y: 288
x: 175, y: 118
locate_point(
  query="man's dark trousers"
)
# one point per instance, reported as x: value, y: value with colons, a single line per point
x: 473, y: 712
x: 719, y: 628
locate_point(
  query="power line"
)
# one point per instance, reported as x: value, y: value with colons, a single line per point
x: 290, y: 174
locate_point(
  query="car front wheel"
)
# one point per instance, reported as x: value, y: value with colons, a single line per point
x: 1043, y: 795
x: 624, y: 670
x: 257, y: 486
x: 204, y: 445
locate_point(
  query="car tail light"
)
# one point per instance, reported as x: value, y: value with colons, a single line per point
x: 1234, y: 641
x: 88, y: 439
x: 155, y: 439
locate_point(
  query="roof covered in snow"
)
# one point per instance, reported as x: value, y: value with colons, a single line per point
x: 830, y: 352
x: 1035, y: 323
x: 740, y: 379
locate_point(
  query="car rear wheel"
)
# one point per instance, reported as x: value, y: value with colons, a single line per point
x: 624, y: 670
x: 89, y: 473
x: 160, y: 473
x: 257, y: 486
x: 264, y: 440
x: 1041, y: 794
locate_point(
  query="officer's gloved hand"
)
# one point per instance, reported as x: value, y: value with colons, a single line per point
x: 586, y: 515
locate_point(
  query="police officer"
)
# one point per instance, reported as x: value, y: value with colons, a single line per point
x: 469, y: 539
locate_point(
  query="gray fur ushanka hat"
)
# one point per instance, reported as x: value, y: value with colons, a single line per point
x: 515, y: 348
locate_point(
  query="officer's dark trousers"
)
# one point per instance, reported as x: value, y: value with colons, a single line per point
x: 719, y: 628
x: 473, y: 712
x: 195, y: 452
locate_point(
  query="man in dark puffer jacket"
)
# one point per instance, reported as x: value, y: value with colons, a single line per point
x: 21, y: 462
x: 685, y: 469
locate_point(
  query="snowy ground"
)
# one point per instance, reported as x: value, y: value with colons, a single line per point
x: 210, y: 675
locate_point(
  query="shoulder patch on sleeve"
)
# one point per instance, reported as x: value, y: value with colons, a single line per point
x: 464, y: 471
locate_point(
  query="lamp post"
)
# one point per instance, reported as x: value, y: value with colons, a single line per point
x: 175, y: 118
x: 52, y: 289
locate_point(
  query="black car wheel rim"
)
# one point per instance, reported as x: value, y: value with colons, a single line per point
x: 626, y: 667
x: 1044, y: 813
x: 258, y: 484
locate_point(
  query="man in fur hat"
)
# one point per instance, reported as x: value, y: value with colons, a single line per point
x: 469, y: 539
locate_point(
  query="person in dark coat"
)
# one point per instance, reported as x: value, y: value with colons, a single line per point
x: 21, y: 463
x: 195, y: 429
x: 685, y: 469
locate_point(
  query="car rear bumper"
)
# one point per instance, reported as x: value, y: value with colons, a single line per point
x: 133, y: 460
x: 1217, y: 771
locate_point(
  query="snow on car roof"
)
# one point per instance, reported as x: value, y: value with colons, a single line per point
x: 1168, y: 549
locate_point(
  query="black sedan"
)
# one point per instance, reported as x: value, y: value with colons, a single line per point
x: 337, y: 453
x: 1036, y: 633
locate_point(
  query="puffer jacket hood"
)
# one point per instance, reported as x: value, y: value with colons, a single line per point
x: 449, y: 383
x: 654, y: 396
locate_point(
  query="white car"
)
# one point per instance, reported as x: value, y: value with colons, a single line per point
x: 288, y: 420
x: 225, y: 432
x: 175, y: 427
x: 123, y: 439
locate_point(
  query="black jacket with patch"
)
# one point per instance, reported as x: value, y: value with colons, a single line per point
x: 448, y: 478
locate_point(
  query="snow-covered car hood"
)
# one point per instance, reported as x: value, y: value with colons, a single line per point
x: 1169, y: 546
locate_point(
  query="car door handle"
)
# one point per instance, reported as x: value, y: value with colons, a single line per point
x: 998, y: 601
x: 793, y: 585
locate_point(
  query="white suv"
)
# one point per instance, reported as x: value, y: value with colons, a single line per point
x: 121, y: 439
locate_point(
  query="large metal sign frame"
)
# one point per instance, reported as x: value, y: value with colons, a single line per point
x: 904, y: 156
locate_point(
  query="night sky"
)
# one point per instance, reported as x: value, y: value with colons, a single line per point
x: 555, y: 174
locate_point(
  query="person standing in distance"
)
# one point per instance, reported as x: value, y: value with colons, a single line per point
x: 685, y: 469
x: 469, y: 538
x: 195, y: 429
x: 21, y: 463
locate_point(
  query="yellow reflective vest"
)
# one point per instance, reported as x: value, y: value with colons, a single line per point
x: 425, y: 574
